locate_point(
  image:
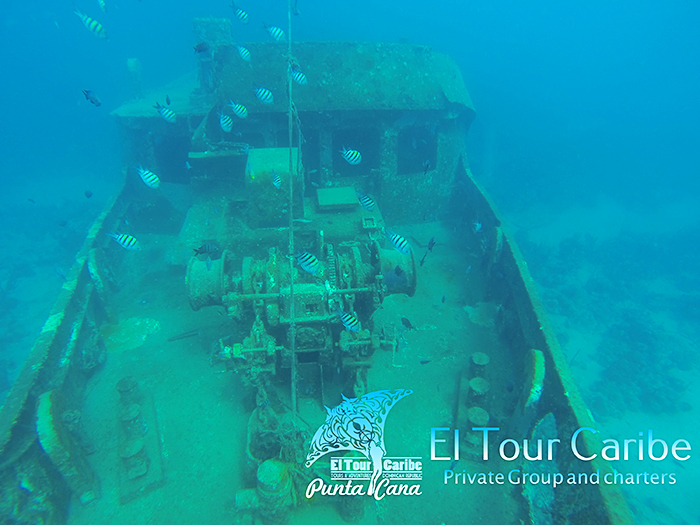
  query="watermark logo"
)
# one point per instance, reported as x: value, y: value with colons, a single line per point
x: 358, y: 425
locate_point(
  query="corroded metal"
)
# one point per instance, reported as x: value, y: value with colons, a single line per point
x: 62, y: 449
x: 66, y: 353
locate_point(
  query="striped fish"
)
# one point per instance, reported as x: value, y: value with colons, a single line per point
x: 167, y: 113
x: 126, y: 241
x: 238, y: 109
x: 276, y: 33
x: 366, y: 201
x: 225, y: 122
x: 103, y: 5
x: 93, y: 25
x: 207, y: 247
x: 276, y: 180
x: 308, y: 262
x: 352, y: 156
x: 149, y: 178
x: 240, y: 14
x: 350, y: 322
x: 264, y: 95
x: 243, y: 51
x: 298, y: 76
x: 400, y: 243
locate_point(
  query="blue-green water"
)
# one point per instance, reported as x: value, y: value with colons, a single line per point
x: 586, y: 131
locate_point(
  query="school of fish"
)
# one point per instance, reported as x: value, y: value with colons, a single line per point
x: 307, y: 261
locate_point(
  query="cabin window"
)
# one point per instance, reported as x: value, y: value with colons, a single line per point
x: 311, y: 151
x: 417, y: 145
x: 366, y: 141
x: 283, y: 138
x: 170, y: 152
x: 310, y: 155
x: 311, y: 159
x: 308, y: 357
x: 254, y: 140
x: 311, y: 308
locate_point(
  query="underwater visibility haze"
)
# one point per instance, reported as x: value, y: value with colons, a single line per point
x: 487, y: 218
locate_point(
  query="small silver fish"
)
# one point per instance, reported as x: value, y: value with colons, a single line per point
x: 243, y: 51
x: 249, y: 170
x: 264, y: 95
x: 238, y: 109
x: 225, y: 122
x: 349, y: 321
x: 298, y: 76
x: 308, y: 262
x: 149, y: 178
x: 58, y: 271
x: 476, y: 226
x: 125, y: 241
x: 352, y: 156
x: 207, y: 247
x: 240, y: 14
x: 167, y: 113
x: 366, y: 201
x: 276, y: 33
x: 400, y: 243
x: 92, y: 25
